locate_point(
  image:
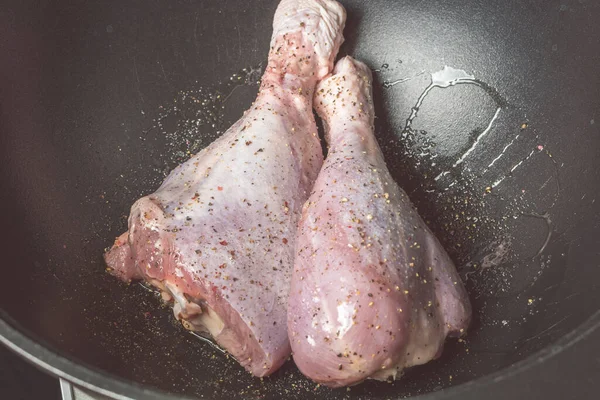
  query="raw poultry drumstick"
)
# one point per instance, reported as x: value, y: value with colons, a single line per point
x: 373, y: 291
x: 218, y: 237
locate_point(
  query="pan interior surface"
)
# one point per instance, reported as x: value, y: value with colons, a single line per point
x: 487, y: 114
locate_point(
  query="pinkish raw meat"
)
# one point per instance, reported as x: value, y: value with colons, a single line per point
x: 373, y: 291
x: 217, y: 238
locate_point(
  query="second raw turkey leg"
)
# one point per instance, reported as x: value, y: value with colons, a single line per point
x: 373, y: 291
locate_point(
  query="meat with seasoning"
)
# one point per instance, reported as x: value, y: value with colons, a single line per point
x: 218, y: 236
x: 373, y: 291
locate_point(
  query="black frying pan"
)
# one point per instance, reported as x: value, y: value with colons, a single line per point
x: 97, y: 104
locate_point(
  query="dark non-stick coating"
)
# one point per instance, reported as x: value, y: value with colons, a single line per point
x: 99, y: 100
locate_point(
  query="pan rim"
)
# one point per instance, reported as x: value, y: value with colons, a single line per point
x: 104, y: 383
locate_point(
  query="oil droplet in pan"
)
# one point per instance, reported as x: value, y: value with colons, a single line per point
x: 463, y: 157
x: 388, y: 84
x: 445, y: 78
x: 442, y: 79
x: 473, y: 216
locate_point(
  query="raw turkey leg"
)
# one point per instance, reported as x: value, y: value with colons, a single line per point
x: 217, y: 238
x: 373, y: 291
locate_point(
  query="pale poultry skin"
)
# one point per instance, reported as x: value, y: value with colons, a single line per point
x: 373, y: 291
x: 218, y: 236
